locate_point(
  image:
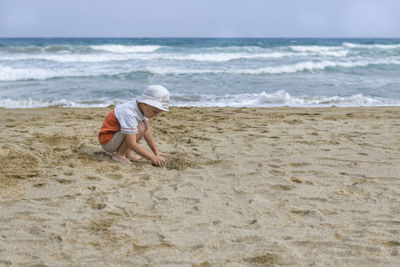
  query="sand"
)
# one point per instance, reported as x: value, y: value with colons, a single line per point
x: 243, y: 187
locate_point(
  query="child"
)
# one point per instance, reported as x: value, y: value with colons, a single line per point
x: 125, y: 125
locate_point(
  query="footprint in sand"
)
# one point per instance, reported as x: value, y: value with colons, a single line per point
x: 267, y: 259
x: 283, y: 187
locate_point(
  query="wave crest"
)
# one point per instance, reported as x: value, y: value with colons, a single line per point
x: 284, y: 69
x: 216, y: 57
x: 369, y: 46
x: 126, y: 48
x: 13, y: 74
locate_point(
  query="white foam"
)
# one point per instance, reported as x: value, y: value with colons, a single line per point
x: 284, y: 69
x: 146, y: 53
x: 314, y: 48
x: 38, y: 103
x: 379, y: 46
x: 19, y: 74
x: 221, y: 57
x: 276, y: 99
x: 126, y: 48
x: 303, y: 66
x: 208, y: 57
x: 342, y: 53
x: 330, y: 51
x: 11, y: 74
x: 70, y: 58
x: 235, y: 49
x: 282, y: 98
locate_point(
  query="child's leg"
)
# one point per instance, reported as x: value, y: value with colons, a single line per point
x: 124, y: 152
x: 120, y: 155
x: 141, y: 130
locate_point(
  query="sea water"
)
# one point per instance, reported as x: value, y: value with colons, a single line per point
x: 235, y: 72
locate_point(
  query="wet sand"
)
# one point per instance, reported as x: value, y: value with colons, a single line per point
x: 243, y: 187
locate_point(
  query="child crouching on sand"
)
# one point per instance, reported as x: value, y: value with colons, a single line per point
x: 127, y: 124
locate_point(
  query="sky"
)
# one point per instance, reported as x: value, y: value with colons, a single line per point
x: 202, y: 18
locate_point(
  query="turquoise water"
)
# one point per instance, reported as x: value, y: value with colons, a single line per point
x: 91, y: 72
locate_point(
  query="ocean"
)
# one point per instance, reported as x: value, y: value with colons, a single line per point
x: 234, y: 72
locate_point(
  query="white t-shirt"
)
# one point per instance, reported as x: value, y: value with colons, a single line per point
x: 129, y: 115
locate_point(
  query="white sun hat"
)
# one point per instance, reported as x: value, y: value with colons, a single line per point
x: 156, y: 96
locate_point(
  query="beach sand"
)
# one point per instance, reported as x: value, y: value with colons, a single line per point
x: 242, y: 187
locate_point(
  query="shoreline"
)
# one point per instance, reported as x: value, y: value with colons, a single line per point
x: 212, y: 107
x: 245, y: 186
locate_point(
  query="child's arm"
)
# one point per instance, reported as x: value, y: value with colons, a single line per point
x: 151, y: 143
x: 131, y: 140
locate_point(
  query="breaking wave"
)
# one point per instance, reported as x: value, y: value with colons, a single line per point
x: 371, y: 46
x: 126, y: 49
x: 263, y: 99
x: 281, y: 98
x: 17, y: 74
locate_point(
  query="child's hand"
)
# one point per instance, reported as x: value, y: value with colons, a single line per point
x: 158, y: 161
x: 161, y: 154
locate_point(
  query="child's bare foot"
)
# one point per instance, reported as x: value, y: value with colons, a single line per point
x: 133, y: 156
x: 119, y: 159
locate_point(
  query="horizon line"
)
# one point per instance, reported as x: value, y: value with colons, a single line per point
x: 198, y: 37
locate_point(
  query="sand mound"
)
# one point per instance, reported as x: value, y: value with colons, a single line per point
x: 178, y: 162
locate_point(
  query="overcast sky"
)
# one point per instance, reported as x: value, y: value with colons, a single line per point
x: 201, y: 18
